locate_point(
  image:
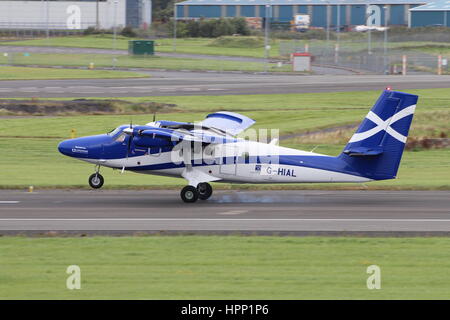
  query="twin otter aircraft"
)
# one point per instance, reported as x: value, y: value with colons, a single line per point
x: 210, y: 151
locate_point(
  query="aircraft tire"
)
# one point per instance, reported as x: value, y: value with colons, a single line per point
x: 189, y: 194
x: 204, y: 190
x: 96, y: 180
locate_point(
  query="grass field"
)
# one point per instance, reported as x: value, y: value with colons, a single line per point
x: 184, y: 45
x: 34, y: 140
x: 25, y: 73
x: 125, y: 61
x: 231, y: 267
x: 206, y: 45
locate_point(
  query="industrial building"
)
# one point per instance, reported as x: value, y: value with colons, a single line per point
x: 105, y: 14
x: 349, y: 12
x: 81, y: 14
x: 435, y: 13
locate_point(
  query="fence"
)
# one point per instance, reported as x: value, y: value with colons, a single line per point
x: 372, y: 57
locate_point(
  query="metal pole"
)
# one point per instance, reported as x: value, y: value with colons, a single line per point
x: 338, y: 22
x: 439, y: 68
x: 115, y: 25
x: 338, y: 35
x: 174, y: 27
x: 369, y: 34
x: 266, y: 35
x: 386, y: 68
x: 97, y: 25
x: 404, y: 61
x: 328, y: 24
x: 150, y: 15
x: 47, y: 31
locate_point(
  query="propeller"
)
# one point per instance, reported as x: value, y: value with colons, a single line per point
x: 130, y: 138
x: 128, y: 131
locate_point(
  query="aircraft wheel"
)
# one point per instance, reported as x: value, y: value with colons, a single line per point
x: 204, y: 190
x: 189, y: 194
x: 96, y: 180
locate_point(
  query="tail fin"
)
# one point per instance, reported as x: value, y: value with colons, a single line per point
x: 375, y: 150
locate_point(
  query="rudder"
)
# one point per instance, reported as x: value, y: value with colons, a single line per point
x: 376, y: 148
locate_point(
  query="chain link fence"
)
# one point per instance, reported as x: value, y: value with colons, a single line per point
x: 377, y: 57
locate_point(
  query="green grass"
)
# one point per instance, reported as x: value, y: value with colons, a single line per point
x: 231, y: 267
x: 183, y: 45
x: 125, y: 61
x: 291, y: 113
x: 94, y: 41
x: 207, y: 46
x: 25, y: 73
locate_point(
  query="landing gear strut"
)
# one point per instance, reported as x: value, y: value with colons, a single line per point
x: 191, y: 194
x: 96, y: 180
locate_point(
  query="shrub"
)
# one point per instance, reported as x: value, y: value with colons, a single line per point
x: 128, y: 32
x: 241, y: 26
x: 238, y: 42
x: 211, y: 28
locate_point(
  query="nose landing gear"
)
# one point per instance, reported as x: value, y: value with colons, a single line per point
x: 96, y: 180
x: 191, y: 194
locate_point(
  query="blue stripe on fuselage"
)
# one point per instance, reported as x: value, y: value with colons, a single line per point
x: 328, y: 163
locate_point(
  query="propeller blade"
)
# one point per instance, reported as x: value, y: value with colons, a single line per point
x: 129, y: 144
x: 130, y: 132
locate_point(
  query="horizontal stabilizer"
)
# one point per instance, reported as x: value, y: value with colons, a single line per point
x: 363, y: 151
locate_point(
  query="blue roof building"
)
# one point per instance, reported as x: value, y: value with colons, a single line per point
x: 351, y: 12
x: 433, y: 13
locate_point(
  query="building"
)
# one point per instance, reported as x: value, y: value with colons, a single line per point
x: 436, y: 13
x: 75, y: 14
x: 349, y: 12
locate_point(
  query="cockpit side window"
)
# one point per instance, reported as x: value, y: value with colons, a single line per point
x: 120, y: 137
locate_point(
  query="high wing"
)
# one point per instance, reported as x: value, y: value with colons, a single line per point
x: 230, y: 122
x: 145, y: 136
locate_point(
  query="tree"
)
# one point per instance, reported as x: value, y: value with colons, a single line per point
x: 193, y: 28
x: 223, y: 27
x: 241, y: 26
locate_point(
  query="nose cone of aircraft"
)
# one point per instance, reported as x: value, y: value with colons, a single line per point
x: 73, y: 148
x: 84, y: 147
x: 65, y: 147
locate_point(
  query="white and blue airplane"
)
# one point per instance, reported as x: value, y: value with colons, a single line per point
x: 210, y: 151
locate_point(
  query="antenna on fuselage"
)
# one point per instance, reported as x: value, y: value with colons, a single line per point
x: 154, y: 116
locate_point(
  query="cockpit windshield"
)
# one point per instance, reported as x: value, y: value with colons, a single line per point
x: 117, y: 130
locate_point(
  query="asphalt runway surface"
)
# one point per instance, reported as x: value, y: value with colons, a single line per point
x: 265, y: 212
x: 175, y: 83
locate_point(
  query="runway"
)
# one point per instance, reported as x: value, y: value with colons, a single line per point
x: 176, y: 83
x: 265, y: 212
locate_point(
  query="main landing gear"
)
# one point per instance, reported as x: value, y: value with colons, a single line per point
x: 96, y: 179
x: 191, y: 194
